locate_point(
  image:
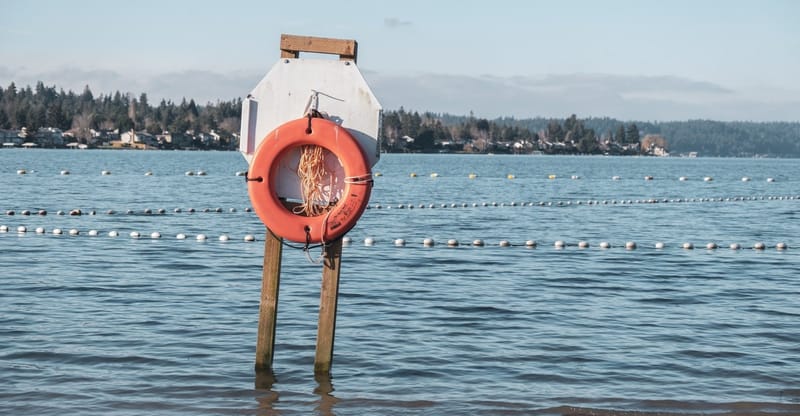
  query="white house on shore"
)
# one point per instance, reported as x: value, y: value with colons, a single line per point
x: 135, y: 140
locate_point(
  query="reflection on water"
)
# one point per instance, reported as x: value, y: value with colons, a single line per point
x: 324, y: 389
x: 266, y: 397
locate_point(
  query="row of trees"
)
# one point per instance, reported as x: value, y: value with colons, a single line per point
x: 707, y: 137
x: 78, y: 114
x: 404, y: 131
x: 413, y: 132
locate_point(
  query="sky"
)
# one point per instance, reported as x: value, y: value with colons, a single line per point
x: 641, y: 60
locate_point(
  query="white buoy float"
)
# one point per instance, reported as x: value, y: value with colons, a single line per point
x: 615, y: 178
x: 21, y: 229
x: 64, y: 172
x: 559, y: 244
x: 688, y: 246
x: 583, y: 244
x: 201, y: 237
x: 155, y: 235
x: 711, y: 246
x: 735, y: 246
x: 434, y: 175
x: 92, y: 233
x: 708, y: 179
x: 189, y: 173
x: 530, y: 244
x: 399, y: 242
x: 770, y: 179
x: 428, y: 242
x: 241, y: 173
x: 148, y: 173
x: 659, y: 245
x: 478, y: 243
x: 630, y: 245
x: 201, y: 173
x: 759, y: 246
x: 39, y: 230
x: 105, y: 172
x: 745, y: 179
x: 605, y: 245
x: 113, y: 234
x: 683, y: 179
x: 56, y: 231
x: 504, y: 243
x: 452, y: 242
x: 249, y: 238
x: 135, y: 234
x: 369, y: 241
x: 648, y: 178
x: 180, y: 236
x: 22, y: 172
x: 781, y: 246
x: 224, y: 238
x: 3, y: 228
x: 74, y: 231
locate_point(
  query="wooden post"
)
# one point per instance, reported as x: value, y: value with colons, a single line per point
x: 328, y: 300
x: 268, y: 309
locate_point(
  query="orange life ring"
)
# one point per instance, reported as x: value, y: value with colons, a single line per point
x: 263, y: 174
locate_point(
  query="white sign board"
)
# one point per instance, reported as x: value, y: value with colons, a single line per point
x: 293, y: 86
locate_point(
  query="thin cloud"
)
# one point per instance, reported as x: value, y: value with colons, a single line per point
x: 661, y: 98
x: 393, y: 22
x: 202, y: 86
x: 646, y: 98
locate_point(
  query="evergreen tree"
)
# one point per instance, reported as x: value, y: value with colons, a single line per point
x: 5, y: 122
x: 632, y: 134
x: 619, y: 136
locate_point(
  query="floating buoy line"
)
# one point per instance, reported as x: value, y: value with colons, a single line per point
x: 428, y: 242
x: 409, y: 206
x: 564, y: 203
x: 146, y: 211
x: 434, y: 175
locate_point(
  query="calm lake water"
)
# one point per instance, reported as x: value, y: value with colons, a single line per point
x: 117, y: 325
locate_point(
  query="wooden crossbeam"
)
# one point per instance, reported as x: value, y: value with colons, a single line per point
x: 292, y: 45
